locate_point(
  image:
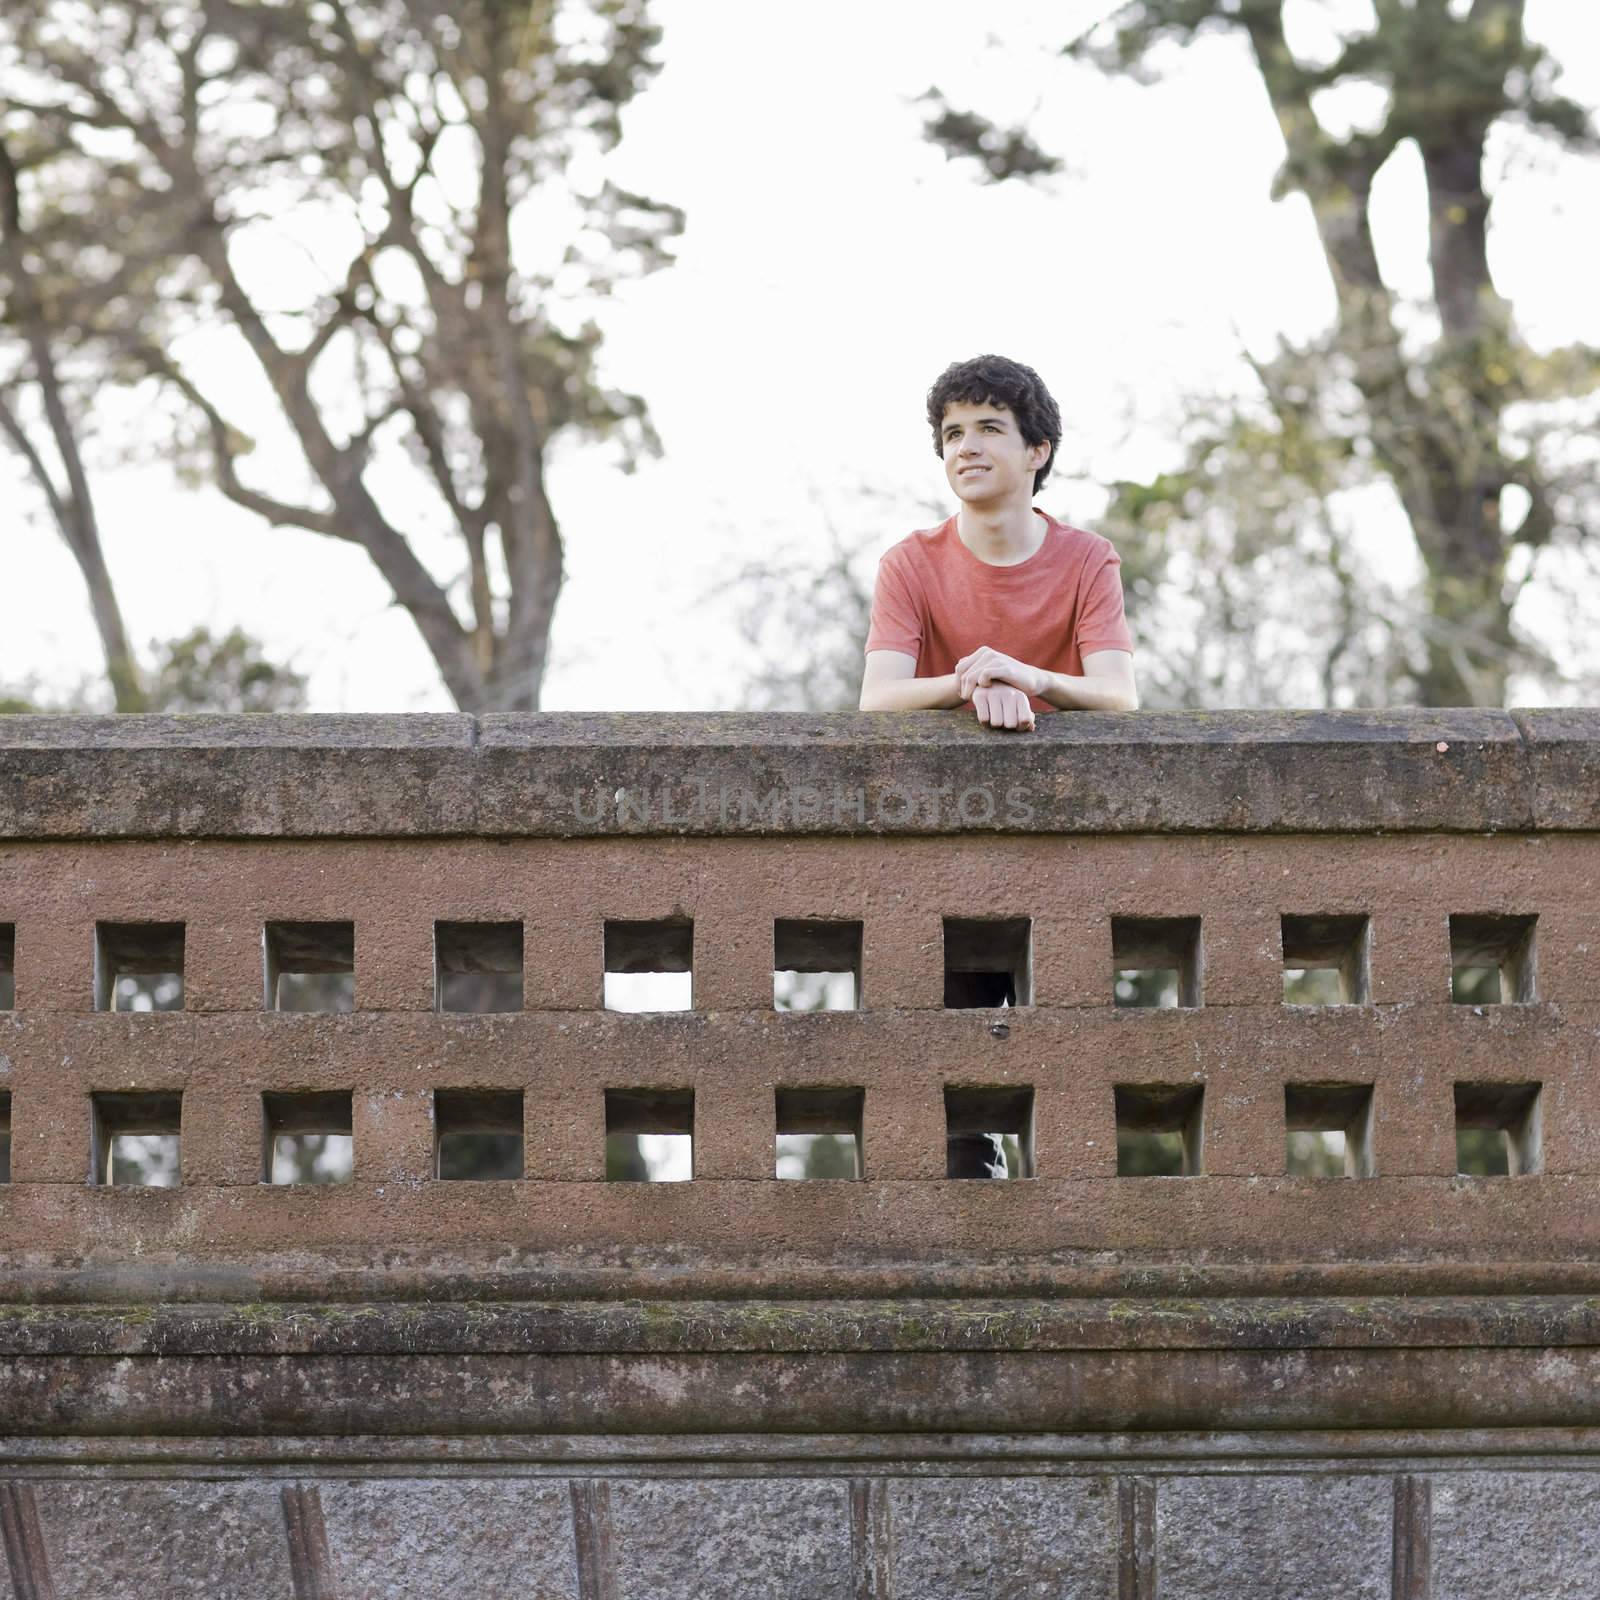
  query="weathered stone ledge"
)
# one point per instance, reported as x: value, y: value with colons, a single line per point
x: 580, y: 776
x: 464, y: 1277
x: 708, y: 1327
x: 855, y: 1391
x: 1037, y: 1454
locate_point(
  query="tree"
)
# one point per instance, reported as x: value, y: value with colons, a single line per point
x: 804, y: 626
x: 1240, y: 581
x: 803, y: 619
x: 40, y: 415
x: 427, y: 155
x: 198, y: 672
x: 1444, y: 405
x: 203, y: 672
x: 46, y: 412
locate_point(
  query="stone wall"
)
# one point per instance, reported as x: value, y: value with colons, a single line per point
x: 1239, y: 1379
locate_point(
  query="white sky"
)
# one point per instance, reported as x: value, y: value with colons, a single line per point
x: 833, y: 264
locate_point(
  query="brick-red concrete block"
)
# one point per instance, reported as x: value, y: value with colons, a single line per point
x: 1071, y: 960
x: 50, y: 1140
x: 564, y: 1132
x: 732, y: 953
x: 1410, y: 954
x: 1242, y: 959
x: 395, y: 960
x: 1075, y: 1125
x: 563, y: 958
x: 223, y: 965
x: 903, y: 1134
x: 54, y: 960
x: 393, y: 1134
x: 224, y: 1127
x: 735, y: 1130
x: 902, y: 958
x: 1567, y: 948
x: 1244, y: 1118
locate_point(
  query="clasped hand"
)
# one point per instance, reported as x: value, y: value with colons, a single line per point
x: 998, y: 687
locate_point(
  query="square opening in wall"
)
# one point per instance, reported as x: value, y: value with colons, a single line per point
x: 988, y: 1132
x: 477, y: 1134
x: 1155, y: 961
x: 649, y: 965
x: 1492, y: 959
x: 135, y: 1138
x: 477, y: 966
x: 310, y: 966
x: 988, y: 961
x: 306, y: 1137
x: 1498, y: 1130
x: 138, y: 966
x: 1325, y: 961
x: 819, y: 1133
x: 1329, y: 1130
x: 816, y: 965
x: 8, y: 966
x: 649, y: 1135
x: 1159, y: 1128
x: 5, y: 1137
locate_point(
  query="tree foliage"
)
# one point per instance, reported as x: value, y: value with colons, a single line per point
x: 1467, y: 430
x: 438, y: 163
x: 200, y: 671
x: 1001, y: 152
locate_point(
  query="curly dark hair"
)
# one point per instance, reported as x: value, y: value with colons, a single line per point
x: 996, y: 381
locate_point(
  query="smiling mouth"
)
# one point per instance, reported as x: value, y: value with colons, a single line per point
x: 966, y: 470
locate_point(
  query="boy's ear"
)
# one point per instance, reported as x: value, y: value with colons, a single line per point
x: 1038, y: 454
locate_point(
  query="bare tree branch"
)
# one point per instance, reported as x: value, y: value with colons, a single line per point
x: 277, y: 512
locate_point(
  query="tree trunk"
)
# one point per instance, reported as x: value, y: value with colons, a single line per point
x: 1436, y: 432
x: 525, y: 648
x: 122, y: 670
x: 1469, y: 641
x: 72, y: 508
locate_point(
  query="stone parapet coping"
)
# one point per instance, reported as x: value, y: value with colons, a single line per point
x: 765, y: 775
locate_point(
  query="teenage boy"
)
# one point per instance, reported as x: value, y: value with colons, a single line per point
x: 1002, y: 607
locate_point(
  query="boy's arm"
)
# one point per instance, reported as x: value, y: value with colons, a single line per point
x: 1107, y: 683
x: 890, y: 683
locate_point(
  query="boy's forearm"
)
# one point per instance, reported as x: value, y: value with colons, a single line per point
x: 1067, y: 693
x: 912, y: 694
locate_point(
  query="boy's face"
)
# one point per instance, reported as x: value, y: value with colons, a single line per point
x: 986, y: 458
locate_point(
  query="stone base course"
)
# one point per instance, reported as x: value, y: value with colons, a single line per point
x: 1485, y: 1533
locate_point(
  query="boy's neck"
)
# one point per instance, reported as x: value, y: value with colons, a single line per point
x: 1004, y: 536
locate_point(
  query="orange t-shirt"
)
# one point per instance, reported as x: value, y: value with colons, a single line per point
x: 937, y: 601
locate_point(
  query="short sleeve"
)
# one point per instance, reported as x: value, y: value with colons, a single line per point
x: 1101, y: 623
x: 896, y: 616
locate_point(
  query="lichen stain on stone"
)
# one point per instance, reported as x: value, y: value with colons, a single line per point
x: 659, y: 1381
x: 1556, y: 1369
